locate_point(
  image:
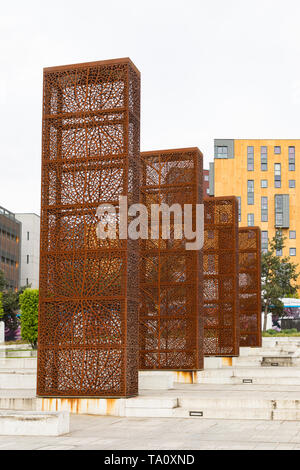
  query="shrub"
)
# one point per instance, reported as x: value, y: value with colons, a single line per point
x: 29, y: 303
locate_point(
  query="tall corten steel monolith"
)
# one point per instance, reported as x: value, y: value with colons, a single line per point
x: 88, y: 321
x: 170, y: 314
x: 250, y: 286
x: 221, y: 277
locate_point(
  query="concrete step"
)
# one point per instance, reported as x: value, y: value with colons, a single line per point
x: 281, y: 340
x: 289, y: 351
x: 241, y: 375
x: 217, y: 408
x: 16, y: 379
x: 210, y: 413
x: 20, y: 353
x: 236, y: 403
x: 280, y: 361
x: 150, y: 407
x: 17, y: 351
x: 156, y: 380
x: 179, y: 405
x: 152, y: 402
x: 22, y: 400
x: 247, y: 414
x: 20, y: 363
x: 250, y: 381
x: 249, y: 372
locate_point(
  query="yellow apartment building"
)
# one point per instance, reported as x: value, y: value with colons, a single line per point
x: 264, y: 175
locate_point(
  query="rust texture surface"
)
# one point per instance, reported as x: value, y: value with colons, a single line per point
x: 250, y: 286
x: 88, y: 322
x: 221, y: 274
x: 170, y: 313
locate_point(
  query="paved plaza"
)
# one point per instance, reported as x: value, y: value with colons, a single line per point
x: 108, y: 433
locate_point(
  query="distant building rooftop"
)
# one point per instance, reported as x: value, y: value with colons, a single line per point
x: 7, y: 213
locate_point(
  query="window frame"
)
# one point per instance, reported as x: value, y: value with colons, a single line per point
x: 250, y: 158
x: 250, y: 192
x: 250, y: 215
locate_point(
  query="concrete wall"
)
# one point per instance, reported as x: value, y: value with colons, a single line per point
x: 30, y: 247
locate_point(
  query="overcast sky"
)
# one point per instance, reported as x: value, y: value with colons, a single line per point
x: 213, y: 68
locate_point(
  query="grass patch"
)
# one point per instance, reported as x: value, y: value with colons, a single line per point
x: 281, y: 334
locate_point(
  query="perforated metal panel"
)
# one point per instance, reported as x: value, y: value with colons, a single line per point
x: 170, y: 314
x: 220, y: 267
x: 250, y: 286
x: 88, y: 318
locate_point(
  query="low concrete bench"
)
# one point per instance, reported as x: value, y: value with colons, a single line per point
x: 34, y: 423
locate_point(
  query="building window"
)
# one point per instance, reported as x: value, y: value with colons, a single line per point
x: 240, y: 208
x: 27, y: 281
x: 291, y: 158
x: 250, y: 158
x: 264, y: 158
x: 207, y: 191
x: 263, y: 183
x: 292, y: 183
x: 222, y: 151
x: 278, y: 252
x: 277, y: 175
x: 282, y: 213
x: 278, y: 210
x: 277, y: 150
x: 264, y: 241
x: 292, y: 234
x: 264, y: 209
x: 292, y: 251
x: 27, y: 235
x: 27, y: 259
x: 250, y: 190
x: 250, y: 220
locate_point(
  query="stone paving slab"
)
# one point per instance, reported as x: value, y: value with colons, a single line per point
x: 108, y: 433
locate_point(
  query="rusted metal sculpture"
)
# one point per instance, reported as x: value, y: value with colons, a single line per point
x: 220, y: 267
x: 250, y: 286
x: 170, y: 314
x: 88, y: 321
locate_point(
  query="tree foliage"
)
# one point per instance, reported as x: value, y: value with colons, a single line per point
x: 29, y: 303
x: 279, y: 278
x: 2, y: 281
x: 10, y: 304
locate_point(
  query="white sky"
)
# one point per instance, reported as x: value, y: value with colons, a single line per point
x: 210, y: 68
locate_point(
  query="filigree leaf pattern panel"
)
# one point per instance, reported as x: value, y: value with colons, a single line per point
x: 88, y: 318
x: 220, y: 268
x: 250, y: 286
x: 170, y: 310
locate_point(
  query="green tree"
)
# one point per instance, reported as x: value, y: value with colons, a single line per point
x: 29, y: 303
x: 2, y: 281
x: 279, y: 278
x: 10, y: 304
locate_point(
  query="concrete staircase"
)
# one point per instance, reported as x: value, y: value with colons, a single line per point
x: 248, y: 387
